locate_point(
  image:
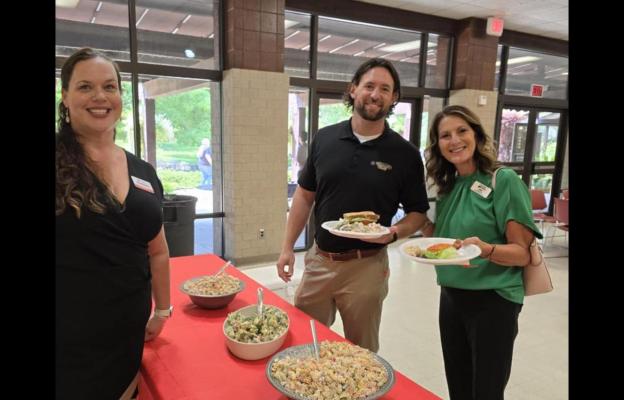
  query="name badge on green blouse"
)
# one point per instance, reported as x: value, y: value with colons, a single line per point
x: 480, y: 189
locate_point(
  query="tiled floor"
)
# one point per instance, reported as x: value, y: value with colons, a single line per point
x: 409, y: 330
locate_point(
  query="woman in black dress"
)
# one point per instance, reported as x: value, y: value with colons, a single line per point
x: 111, y: 252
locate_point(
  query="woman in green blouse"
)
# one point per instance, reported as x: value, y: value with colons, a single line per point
x: 479, y: 305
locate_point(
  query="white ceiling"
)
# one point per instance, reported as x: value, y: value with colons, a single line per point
x: 547, y: 18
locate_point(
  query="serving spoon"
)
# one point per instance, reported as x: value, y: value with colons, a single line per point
x: 260, y: 304
x: 227, y: 264
x: 314, y: 341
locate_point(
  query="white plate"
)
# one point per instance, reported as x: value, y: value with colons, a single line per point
x: 329, y: 225
x: 464, y: 254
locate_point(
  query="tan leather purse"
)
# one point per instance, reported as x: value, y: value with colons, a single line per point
x: 535, y: 273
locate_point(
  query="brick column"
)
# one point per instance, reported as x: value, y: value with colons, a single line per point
x: 255, y: 130
x: 474, y: 71
x: 255, y: 35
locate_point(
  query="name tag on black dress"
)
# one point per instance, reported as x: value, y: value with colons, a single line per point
x: 142, y: 184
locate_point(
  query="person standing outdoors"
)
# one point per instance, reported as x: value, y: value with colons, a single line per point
x: 480, y: 305
x: 111, y: 252
x: 355, y: 165
x: 204, y: 163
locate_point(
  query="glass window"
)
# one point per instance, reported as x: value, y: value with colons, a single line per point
x: 547, y: 130
x: 343, y: 46
x: 332, y: 111
x: 498, y: 63
x: 96, y: 24
x: 297, y: 132
x: 205, y: 229
x: 57, y: 97
x: 526, y: 68
x: 513, y: 134
x: 437, y: 61
x: 124, y: 131
x: 542, y: 182
x: 176, y: 32
x: 431, y: 106
x: 400, y: 120
x: 298, y: 139
x: 177, y: 121
x: 297, y: 44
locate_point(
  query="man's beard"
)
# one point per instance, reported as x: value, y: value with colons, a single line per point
x: 382, y: 113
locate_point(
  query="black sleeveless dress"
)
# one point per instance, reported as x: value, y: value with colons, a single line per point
x: 103, y: 290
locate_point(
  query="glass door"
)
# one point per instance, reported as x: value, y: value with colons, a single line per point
x: 530, y: 141
x: 298, y: 139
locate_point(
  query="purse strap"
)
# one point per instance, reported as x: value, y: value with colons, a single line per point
x: 535, y: 250
x: 494, y: 177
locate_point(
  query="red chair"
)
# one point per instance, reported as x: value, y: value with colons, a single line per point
x: 538, y: 203
x: 565, y: 194
x: 561, y: 216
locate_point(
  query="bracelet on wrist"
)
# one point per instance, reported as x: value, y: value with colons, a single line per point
x: 489, y: 256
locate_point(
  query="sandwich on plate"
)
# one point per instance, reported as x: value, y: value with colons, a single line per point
x: 365, y: 217
x: 360, y: 221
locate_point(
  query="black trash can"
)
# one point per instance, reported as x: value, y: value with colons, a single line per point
x: 179, y: 221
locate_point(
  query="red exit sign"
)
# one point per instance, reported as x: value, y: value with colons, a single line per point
x: 494, y: 26
x: 537, y: 90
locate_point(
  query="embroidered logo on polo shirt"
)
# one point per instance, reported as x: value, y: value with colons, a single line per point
x: 382, y: 166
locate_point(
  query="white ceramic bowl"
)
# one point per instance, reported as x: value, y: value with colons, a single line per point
x: 254, y: 351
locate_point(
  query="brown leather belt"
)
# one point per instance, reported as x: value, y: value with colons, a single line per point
x: 349, y: 255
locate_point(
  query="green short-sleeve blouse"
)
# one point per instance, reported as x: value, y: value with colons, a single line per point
x: 463, y: 213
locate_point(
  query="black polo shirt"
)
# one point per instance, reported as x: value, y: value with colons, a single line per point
x: 350, y: 176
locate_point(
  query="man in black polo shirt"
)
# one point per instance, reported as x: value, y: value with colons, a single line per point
x: 355, y: 165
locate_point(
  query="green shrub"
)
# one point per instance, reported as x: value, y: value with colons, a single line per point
x: 174, y: 180
x: 179, y: 153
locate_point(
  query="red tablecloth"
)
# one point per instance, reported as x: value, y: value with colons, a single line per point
x: 190, y: 361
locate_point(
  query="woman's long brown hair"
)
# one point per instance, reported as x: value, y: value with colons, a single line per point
x: 76, y: 185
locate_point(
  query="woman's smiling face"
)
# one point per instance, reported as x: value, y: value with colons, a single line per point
x: 457, y: 143
x: 93, y: 96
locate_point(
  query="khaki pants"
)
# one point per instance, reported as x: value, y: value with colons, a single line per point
x: 357, y: 288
